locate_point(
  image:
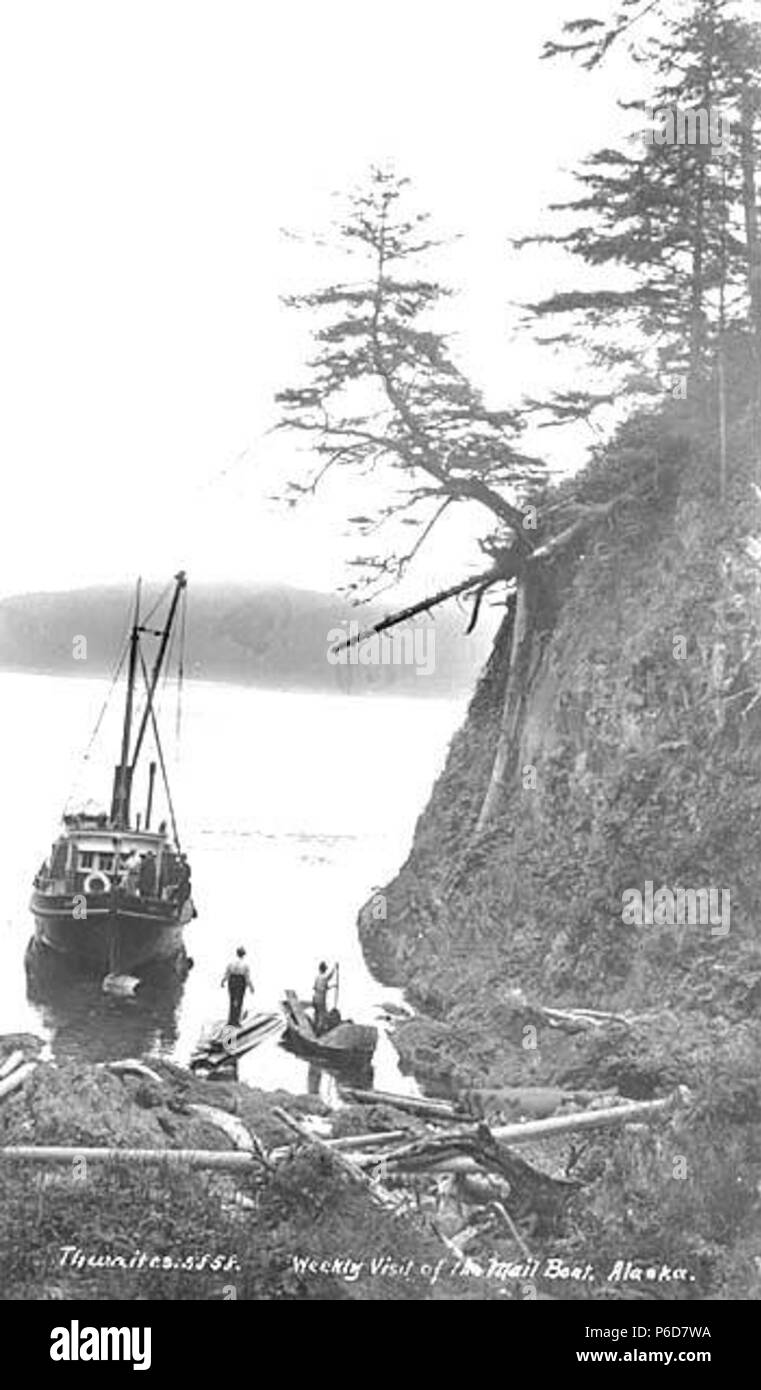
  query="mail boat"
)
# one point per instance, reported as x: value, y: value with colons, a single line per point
x: 115, y: 894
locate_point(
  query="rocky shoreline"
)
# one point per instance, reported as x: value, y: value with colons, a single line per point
x: 627, y: 764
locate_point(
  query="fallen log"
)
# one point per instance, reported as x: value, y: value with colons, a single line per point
x: 224, y: 1159
x: 591, y: 1119
x: 478, y: 1144
x: 243, y: 1138
x: 13, y: 1060
x: 403, y: 1011
x: 457, y: 1163
x: 16, y: 1079
x: 414, y: 1105
x: 347, y: 1165
x: 535, y: 1102
x: 471, y: 1150
x: 488, y: 577
x: 461, y: 1165
x: 354, y: 1144
x: 593, y: 1016
x: 364, y: 1141
x: 130, y: 1066
x: 427, y: 1145
x: 602, y: 1013
x: 229, y: 1124
x: 559, y: 1017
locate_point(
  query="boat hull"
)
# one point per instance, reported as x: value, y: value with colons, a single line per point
x: 345, y: 1044
x: 110, y: 938
x: 350, y: 1044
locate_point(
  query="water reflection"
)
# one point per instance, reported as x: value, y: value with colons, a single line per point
x: 282, y: 852
x: 89, y: 1026
x: 327, y: 1081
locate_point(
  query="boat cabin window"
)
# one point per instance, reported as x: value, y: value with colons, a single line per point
x: 91, y: 859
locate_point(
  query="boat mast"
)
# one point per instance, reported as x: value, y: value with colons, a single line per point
x: 123, y: 774
x: 180, y: 583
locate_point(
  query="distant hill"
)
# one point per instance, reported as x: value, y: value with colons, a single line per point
x: 254, y: 635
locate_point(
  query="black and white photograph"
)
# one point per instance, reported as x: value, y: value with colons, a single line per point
x: 380, y: 664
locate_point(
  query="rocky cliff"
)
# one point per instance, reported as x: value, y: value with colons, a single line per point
x: 628, y: 714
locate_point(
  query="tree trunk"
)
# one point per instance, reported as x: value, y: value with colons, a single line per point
x: 721, y: 359
x: 535, y: 607
x: 697, y: 317
x: 752, y: 238
x: 753, y: 244
x: 525, y: 648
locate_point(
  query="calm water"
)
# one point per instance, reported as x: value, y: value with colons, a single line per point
x: 292, y: 808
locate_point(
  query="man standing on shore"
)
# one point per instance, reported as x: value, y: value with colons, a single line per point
x: 237, y: 977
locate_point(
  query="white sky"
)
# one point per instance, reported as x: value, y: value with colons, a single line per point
x: 151, y: 153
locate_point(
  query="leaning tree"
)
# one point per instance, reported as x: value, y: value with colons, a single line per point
x: 383, y: 394
x: 383, y: 391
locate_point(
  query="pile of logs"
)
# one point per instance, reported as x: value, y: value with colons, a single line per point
x: 452, y: 1161
x: 455, y: 1162
x: 459, y: 1169
x: 464, y: 1144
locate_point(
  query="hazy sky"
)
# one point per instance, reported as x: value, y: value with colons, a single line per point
x: 151, y: 155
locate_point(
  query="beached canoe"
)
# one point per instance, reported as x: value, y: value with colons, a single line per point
x: 351, y: 1044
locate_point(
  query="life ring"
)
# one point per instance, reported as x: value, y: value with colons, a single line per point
x: 97, y: 883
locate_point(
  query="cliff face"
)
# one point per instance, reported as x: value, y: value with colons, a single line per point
x: 634, y: 753
x: 627, y: 716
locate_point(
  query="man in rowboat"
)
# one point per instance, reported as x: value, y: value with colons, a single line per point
x: 237, y: 977
x: 322, y: 983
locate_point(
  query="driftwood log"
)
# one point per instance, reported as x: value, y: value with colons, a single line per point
x: 229, y: 1124
x: 591, y: 1119
x: 347, y: 1165
x: 130, y: 1066
x: 528, y: 1186
x: 467, y: 1149
x: 414, y: 1105
x: 13, y: 1060
x: 224, y: 1159
x: 582, y: 1018
x: 369, y: 1141
x: 528, y: 1102
x: 16, y: 1079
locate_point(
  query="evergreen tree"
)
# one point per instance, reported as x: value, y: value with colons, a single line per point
x: 679, y: 214
x: 383, y: 389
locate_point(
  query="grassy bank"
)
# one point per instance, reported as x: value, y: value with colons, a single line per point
x: 116, y: 1231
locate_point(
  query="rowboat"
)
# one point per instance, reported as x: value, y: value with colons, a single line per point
x: 347, y: 1043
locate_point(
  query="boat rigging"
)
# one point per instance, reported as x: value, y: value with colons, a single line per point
x: 115, y: 893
